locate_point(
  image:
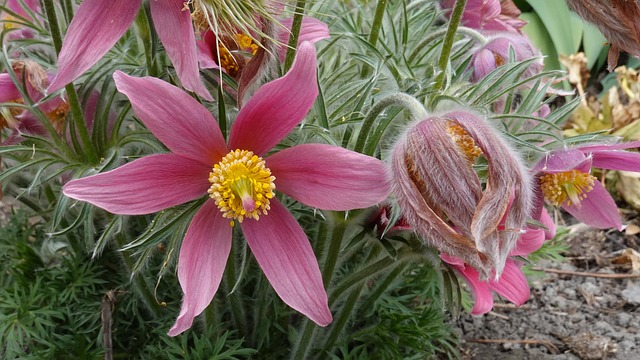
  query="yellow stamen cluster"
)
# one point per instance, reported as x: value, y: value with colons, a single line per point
x: 9, y: 22
x: 241, y: 186
x: 246, y: 43
x: 570, y: 186
x: 464, y: 141
x: 56, y: 116
x: 499, y: 59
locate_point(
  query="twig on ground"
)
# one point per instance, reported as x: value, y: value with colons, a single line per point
x: 549, y: 345
x: 588, y: 274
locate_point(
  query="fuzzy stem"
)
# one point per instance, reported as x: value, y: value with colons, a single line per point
x: 139, y: 283
x: 234, y: 299
x: 415, y: 108
x: 74, y: 104
x: 295, y: 33
x: 374, y: 35
x: 305, y: 340
x: 456, y: 16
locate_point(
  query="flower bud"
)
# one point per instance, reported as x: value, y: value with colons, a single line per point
x: 444, y: 200
x: 495, y: 53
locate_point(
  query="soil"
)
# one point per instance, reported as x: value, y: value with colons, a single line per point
x: 569, y: 316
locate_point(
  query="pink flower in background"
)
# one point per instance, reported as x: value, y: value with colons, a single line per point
x: 240, y: 47
x: 16, y: 24
x: 495, y: 53
x: 565, y: 180
x: 489, y: 15
x: 241, y: 180
x: 98, y: 24
x: 512, y: 284
x: 442, y: 197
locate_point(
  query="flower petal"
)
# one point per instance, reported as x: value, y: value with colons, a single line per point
x: 312, y: 30
x: 8, y: 90
x: 329, y: 177
x: 185, y: 126
x: 95, y: 28
x: 144, y: 186
x: 206, y: 49
x: 563, y: 160
x: 283, y: 251
x: 616, y: 160
x: 175, y: 29
x: 598, y: 209
x: 512, y: 284
x: 530, y: 241
x: 202, y: 260
x: 547, y: 221
x: 480, y: 289
x: 278, y: 106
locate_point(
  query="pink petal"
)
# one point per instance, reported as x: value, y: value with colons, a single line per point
x: 95, y: 28
x: 530, y: 241
x: 16, y: 6
x: 329, y: 177
x: 616, y: 160
x: 202, y: 260
x: 547, y: 221
x: 452, y: 260
x: 206, y: 49
x: 283, y: 251
x: 613, y: 146
x: 8, y: 90
x: 563, y: 160
x: 278, y: 106
x: 144, y: 186
x: 481, y: 291
x: 598, y: 209
x: 312, y: 30
x: 512, y: 284
x: 175, y: 29
x: 185, y: 126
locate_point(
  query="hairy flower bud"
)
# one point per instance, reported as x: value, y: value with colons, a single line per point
x: 444, y: 200
x: 495, y: 53
x: 618, y: 22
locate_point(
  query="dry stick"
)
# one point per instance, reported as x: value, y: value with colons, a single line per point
x: 586, y: 274
x: 549, y: 345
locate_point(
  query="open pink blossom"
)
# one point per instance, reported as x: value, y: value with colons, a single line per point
x: 565, y: 180
x: 17, y: 24
x: 512, y: 284
x: 241, y: 183
x: 98, y: 24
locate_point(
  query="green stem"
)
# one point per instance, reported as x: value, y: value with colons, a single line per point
x: 76, y: 109
x: 234, y: 299
x: 138, y: 281
x: 295, y: 32
x: 415, y: 108
x: 456, y: 16
x: 304, y: 341
x: 377, y: 22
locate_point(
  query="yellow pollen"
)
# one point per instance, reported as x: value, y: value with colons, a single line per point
x: 499, y: 59
x: 464, y: 141
x: 9, y: 22
x: 227, y: 60
x: 241, y: 186
x: 569, y: 186
x: 246, y: 43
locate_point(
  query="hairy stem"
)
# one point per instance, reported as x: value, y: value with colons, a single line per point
x: 295, y: 33
x: 456, y: 16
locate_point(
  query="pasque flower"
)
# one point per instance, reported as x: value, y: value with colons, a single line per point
x: 489, y: 15
x: 512, y: 284
x: 241, y: 180
x: 442, y: 197
x: 495, y: 53
x: 98, y: 24
x: 564, y: 179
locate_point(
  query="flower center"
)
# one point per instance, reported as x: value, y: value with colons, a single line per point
x: 570, y: 186
x: 227, y: 60
x: 241, y: 186
x: 464, y: 141
x: 499, y: 59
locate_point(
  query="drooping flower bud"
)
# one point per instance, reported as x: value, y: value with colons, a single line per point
x: 495, y: 53
x: 444, y: 200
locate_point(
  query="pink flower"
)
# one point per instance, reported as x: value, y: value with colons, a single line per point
x: 240, y: 182
x: 11, y: 22
x: 98, y: 24
x: 495, y: 53
x: 442, y: 197
x: 512, y: 284
x: 565, y: 180
x: 491, y: 15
